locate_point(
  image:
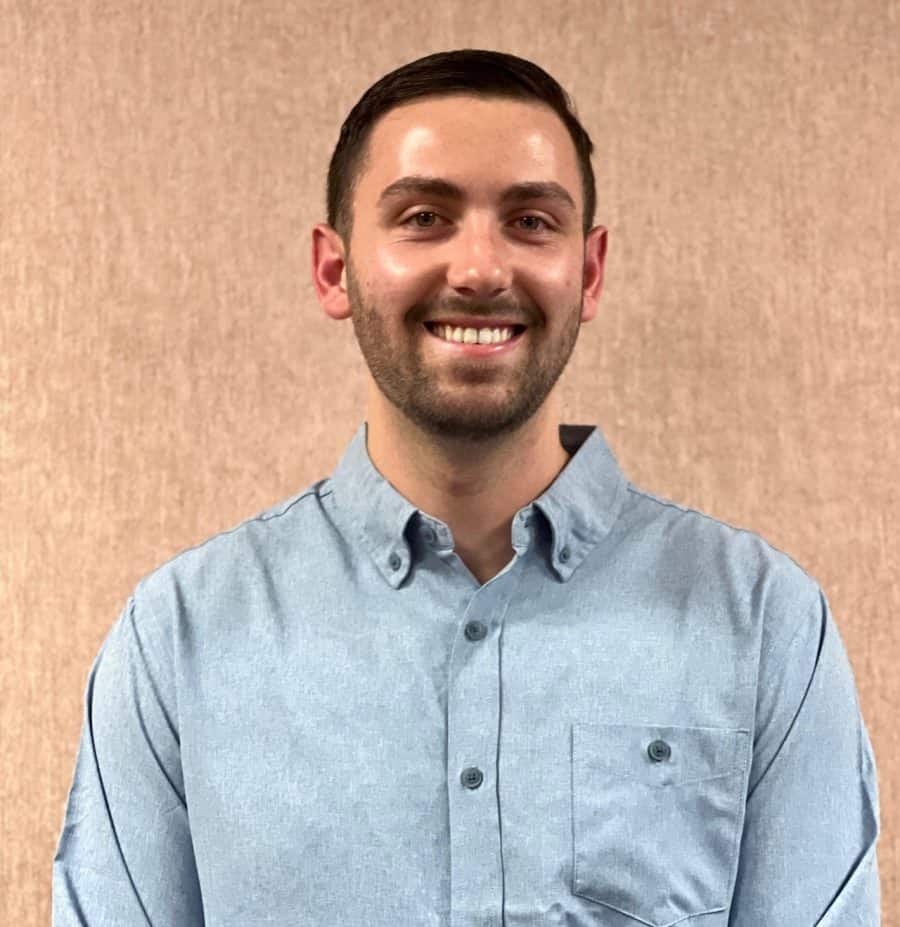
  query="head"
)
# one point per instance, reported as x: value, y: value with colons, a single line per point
x: 481, y: 121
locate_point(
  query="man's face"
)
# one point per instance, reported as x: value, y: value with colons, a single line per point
x: 520, y: 260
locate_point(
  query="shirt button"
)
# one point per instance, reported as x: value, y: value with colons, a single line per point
x: 659, y: 750
x: 395, y: 562
x: 564, y: 555
x: 429, y: 535
x: 471, y: 777
x: 475, y: 631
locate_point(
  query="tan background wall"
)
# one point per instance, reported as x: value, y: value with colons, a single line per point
x: 166, y: 370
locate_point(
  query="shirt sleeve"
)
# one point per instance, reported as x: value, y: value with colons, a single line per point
x: 808, y: 851
x: 124, y: 857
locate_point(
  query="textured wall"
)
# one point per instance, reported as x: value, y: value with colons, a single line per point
x: 166, y: 370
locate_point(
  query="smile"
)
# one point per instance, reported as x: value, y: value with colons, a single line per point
x: 476, y: 349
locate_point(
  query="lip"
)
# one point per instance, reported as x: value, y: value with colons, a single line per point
x: 475, y: 350
x: 462, y: 321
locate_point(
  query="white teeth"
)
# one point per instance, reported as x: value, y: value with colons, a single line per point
x: 473, y: 335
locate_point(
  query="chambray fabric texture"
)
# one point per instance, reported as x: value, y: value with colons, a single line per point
x: 320, y: 717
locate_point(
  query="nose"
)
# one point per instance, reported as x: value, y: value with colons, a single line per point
x: 479, y: 264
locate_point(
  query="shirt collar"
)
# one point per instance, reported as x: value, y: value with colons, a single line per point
x: 580, y: 506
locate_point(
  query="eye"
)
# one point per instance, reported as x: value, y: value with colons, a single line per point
x: 543, y: 221
x: 545, y: 224
x: 416, y: 216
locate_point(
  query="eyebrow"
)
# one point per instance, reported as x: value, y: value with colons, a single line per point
x: 437, y: 186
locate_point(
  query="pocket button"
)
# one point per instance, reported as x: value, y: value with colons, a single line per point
x: 659, y: 750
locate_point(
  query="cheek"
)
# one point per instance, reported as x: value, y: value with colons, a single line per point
x: 394, y: 289
x: 561, y: 275
x: 394, y: 271
x: 549, y: 276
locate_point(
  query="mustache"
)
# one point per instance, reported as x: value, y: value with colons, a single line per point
x: 495, y: 311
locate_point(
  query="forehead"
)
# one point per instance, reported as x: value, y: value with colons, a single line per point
x: 482, y: 145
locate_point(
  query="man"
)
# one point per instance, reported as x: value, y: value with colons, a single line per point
x: 476, y: 677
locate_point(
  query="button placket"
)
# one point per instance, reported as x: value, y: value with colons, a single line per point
x: 473, y: 713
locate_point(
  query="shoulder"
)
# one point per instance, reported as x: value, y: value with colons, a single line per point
x: 220, y: 566
x: 762, y: 580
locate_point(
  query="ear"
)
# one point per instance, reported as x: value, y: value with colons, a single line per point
x: 594, y: 257
x: 329, y: 271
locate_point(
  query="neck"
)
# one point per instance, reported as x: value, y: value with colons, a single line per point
x: 475, y: 489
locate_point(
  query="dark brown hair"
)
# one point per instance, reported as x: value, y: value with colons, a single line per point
x: 487, y: 74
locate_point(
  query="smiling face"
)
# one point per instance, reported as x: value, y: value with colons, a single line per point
x: 463, y: 248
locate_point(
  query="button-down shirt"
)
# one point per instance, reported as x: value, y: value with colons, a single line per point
x: 320, y: 717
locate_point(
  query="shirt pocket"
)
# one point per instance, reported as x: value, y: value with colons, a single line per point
x: 657, y: 813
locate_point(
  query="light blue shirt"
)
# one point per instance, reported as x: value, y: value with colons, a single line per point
x: 321, y: 718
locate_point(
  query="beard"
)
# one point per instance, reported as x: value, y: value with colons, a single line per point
x: 462, y: 398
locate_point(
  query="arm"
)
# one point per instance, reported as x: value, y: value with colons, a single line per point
x: 808, y: 851
x: 124, y: 856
